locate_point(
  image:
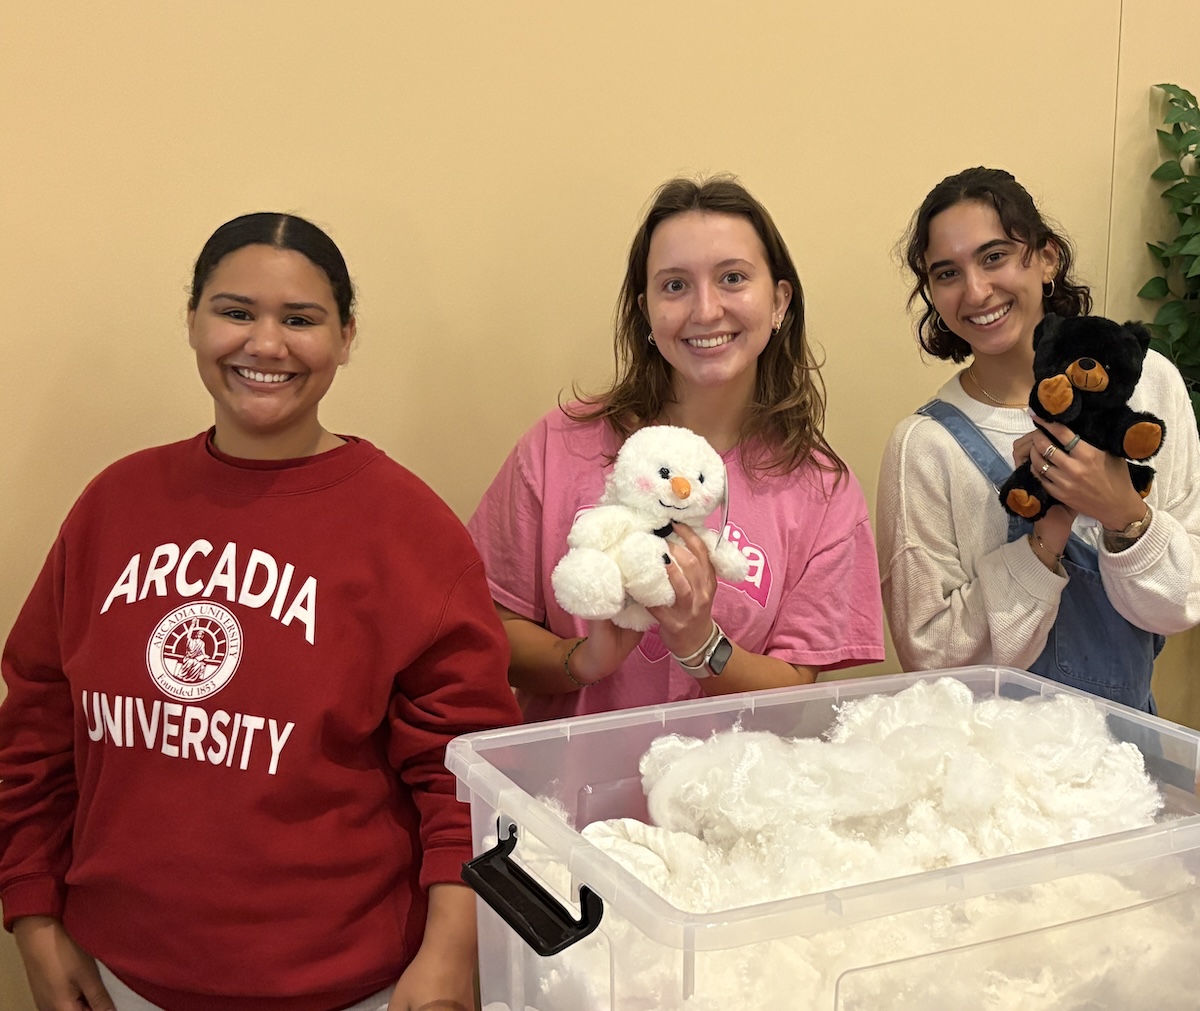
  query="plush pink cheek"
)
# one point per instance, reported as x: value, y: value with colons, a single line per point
x: 644, y: 484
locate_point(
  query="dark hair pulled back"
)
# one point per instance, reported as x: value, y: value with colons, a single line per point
x: 280, y: 231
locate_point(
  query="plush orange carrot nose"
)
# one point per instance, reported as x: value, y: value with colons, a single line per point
x: 681, y: 487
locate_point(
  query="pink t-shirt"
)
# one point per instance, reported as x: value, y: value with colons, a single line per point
x: 812, y: 596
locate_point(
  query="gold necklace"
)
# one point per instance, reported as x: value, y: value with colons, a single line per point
x: 1001, y: 403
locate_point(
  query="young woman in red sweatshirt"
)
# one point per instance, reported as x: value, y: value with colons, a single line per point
x: 231, y: 688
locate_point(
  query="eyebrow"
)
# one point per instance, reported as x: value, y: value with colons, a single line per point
x: 717, y: 266
x: 982, y: 249
x: 247, y: 300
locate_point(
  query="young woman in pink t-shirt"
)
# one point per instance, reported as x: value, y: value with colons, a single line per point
x: 709, y: 336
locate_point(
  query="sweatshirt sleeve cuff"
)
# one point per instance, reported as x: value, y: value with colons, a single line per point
x: 1027, y: 569
x: 1143, y: 553
x: 443, y: 865
x: 39, y: 895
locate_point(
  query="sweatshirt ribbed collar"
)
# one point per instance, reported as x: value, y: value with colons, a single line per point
x: 257, y: 478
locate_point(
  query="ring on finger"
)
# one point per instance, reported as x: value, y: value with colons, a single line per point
x: 1071, y: 445
x: 1050, y: 451
x: 1045, y: 467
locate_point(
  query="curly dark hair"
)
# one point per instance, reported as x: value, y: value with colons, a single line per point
x: 1021, y: 221
x: 784, y: 426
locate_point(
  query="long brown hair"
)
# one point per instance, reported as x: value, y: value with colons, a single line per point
x: 1021, y: 221
x: 784, y: 425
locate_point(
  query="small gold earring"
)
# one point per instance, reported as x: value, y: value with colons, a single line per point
x: 650, y: 338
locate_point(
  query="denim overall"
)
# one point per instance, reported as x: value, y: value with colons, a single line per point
x: 1090, y: 646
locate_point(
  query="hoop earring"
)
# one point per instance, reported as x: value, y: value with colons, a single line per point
x: 939, y: 324
x: 650, y: 338
x: 1050, y: 293
x: 776, y: 328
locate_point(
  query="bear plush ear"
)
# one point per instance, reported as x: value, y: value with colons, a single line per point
x: 1140, y: 331
x: 1048, y: 327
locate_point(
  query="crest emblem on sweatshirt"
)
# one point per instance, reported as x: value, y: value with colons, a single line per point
x: 195, y: 650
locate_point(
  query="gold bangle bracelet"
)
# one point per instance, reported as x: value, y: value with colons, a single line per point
x: 567, y: 664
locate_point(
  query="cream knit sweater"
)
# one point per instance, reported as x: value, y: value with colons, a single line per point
x: 957, y: 594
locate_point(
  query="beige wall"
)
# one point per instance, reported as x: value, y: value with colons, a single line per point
x: 483, y: 167
x: 1148, y: 57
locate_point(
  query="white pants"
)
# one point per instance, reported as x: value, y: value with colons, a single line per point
x: 127, y: 1000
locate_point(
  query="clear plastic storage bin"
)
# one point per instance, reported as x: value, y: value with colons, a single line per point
x: 1110, y: 922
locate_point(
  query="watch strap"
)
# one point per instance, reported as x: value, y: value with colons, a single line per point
x: 712, y: 657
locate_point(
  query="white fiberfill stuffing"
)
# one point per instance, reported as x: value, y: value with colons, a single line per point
x: 925, y: 779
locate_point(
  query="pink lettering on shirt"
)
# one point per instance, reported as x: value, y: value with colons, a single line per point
x: 757, y: 585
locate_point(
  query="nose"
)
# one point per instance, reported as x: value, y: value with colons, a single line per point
x: 707, y: 304
x: 681, y: 486
x: 979, y: 288
x: 1087, y: 364
x: 266, y: 339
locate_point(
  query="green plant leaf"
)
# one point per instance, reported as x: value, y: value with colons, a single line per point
x: 1185, y: 191
x: 1190, y: 225
x: 1177, y: 93
x: 1194, y: 269
x: 1170, y: 169
x: 1171, y: 141
x: 1191, y: 378
x: 1183, y: 115
x: 1156, y: 287
x: 1191, y: 247
x: 1171, y: 312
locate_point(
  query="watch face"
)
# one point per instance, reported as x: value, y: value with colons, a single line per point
x: 721, y: 653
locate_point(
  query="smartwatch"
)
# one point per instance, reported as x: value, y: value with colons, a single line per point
x: 716, y: 654
x: 719, y: 655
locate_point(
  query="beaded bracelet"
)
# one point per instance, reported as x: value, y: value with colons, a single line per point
x: 567, y: 664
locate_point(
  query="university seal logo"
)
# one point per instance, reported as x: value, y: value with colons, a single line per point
x: 195, y: 650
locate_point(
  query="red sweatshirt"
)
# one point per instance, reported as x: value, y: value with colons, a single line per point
x: 229, y: 696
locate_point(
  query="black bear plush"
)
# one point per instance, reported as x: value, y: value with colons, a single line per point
x: 1084, y: 371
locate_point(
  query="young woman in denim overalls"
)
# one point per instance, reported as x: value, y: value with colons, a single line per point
x: 1085, y: 594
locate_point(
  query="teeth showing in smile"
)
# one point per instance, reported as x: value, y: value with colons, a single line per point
x: 710, y: 342
x: 991, y: 317
x: 263, y: 377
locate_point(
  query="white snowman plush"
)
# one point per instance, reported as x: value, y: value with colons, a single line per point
x: 616, y: 565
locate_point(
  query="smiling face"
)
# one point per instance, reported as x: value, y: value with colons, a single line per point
x: 710, y: 299
x: 268, y: 342
x: 980, y: 282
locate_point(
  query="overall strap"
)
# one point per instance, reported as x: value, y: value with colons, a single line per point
x: 1091, y: 646
x: 982, y: 453
x: 974, y: 443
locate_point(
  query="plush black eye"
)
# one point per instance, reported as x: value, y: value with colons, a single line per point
x: 664, y: 473
x: 700, y: 478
